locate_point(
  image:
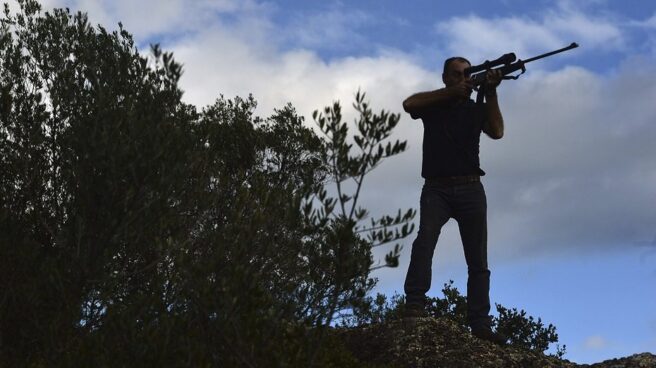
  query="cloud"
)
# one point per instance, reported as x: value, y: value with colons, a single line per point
x: 480, y: 37
x: 648, y: 23
x: 595, y: 342
x: 226, y: 60
x: 334, y: 28
x: 577, y: 167
x: 148, y: 18
x: 575, y: 170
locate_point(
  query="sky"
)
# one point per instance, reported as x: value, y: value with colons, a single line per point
x: 571, y: 187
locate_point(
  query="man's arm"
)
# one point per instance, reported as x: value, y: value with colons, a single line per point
x: 418, y: 102
x: 493, y: 125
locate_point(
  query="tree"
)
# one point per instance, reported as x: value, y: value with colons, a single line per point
x: 94, y: 147
x: 132, y: 222
x: 351, y: 281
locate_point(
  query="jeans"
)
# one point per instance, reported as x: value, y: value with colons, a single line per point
x: 467, y: 204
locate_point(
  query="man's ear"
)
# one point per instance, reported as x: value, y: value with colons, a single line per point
x: 443, y: 79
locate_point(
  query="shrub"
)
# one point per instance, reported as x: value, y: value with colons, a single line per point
x: 524, y: 331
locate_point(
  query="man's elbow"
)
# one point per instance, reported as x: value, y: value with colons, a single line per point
x: 494, y: 128
x: 494, y: 133
x: 407, y: 105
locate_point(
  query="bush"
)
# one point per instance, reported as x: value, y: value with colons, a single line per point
x: 525, y: 332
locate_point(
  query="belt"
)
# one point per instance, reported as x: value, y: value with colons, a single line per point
x: 454, y: 180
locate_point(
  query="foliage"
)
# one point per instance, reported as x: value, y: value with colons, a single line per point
x: 453, y: 305
x: 525, y: 332
x: 378, y: 309
x: 136, y: 228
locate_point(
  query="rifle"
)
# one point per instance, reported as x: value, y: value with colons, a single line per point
x: 478, y: 73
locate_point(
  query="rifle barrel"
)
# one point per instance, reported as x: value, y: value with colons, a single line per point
x: 572, y: 46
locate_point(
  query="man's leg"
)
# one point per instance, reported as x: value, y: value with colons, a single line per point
x: 434, y: 212
x: 470, y: 209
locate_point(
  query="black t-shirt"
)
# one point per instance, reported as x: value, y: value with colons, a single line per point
x: 451, y: 140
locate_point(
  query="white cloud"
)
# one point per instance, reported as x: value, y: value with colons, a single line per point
x: 478, y: 38
x: 647, y: 23
x: 329, y: 29
x: 222, y: 61
x: 595, y: 342
x: 540, y: 193
x: 583, y: 142
x: 482, y: 38
x: 148, y: 18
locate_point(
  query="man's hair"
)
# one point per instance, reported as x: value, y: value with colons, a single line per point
x: 455, y: 58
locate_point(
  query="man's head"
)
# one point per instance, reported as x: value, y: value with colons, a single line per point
x: 453, y: 72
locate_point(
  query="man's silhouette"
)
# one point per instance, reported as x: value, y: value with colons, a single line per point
x: 452, y: 188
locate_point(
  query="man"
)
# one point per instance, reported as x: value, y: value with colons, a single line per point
x: 452, y: 189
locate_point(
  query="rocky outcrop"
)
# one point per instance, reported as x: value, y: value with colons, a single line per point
x: 644, y: 360
x: 433, y: 343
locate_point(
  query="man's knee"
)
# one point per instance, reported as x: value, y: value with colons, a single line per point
x: 426, y: 239
x: 480, y: 271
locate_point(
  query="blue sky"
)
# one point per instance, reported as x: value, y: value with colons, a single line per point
x: 571, y: 187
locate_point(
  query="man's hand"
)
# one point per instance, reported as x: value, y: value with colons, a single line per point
x: 461, y: 90
x: 493, y: 79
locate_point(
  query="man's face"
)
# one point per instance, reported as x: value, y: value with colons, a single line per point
x: 455, y: 73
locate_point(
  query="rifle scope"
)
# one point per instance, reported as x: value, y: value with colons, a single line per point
x: 505, y: 60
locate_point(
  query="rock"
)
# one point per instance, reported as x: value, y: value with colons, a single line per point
x: 434, y: 343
